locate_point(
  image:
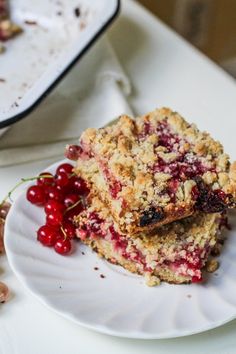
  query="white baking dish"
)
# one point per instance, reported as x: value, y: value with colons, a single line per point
x: 56, y: 33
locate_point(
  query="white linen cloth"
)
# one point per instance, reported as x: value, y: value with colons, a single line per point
x: 91, y: 95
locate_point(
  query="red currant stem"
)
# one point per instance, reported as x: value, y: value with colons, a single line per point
x: 64, y: 233
x: 22, y: 181
x: 73, y: 205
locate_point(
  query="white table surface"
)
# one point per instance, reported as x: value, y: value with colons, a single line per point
x: 164, y: 70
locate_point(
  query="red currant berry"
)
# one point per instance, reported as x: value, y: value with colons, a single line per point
x: 53, y: 193
x: 69, y: 229
x: 36, y: 195
x: 54, y: 219
x: 79, y: 185
x: 73, y: 152
x: 47, y: 180
x: 65, y: 168
x: 62, y: 246
x: 47, y: 235
x: 71, y: 199
x: 63, y: 190
x: 52, y: 206
x: 61, y: 179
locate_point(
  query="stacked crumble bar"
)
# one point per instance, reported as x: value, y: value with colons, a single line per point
x: 159, y: 191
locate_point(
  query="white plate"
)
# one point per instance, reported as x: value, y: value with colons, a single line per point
x: 119, y: 304
x: 54, y: 38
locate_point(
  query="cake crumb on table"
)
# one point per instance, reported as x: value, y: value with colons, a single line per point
x: 77, y: 12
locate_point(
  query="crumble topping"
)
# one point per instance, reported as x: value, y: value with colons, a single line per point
x: 157, y: 161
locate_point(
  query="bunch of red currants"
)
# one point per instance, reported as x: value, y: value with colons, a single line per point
x: 63, y: 196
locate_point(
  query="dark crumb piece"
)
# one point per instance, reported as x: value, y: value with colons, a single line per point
x: 83, y: 253
x: 189, y: 296
x: 77, y: 12
x: 59, y: 13
x: 210, y: 201
x: 2, y: 80
x: 151, y: 216
x: 102, y: 276
x: 95, y: 268
x: 30, y: 22
x: 216, y: 250
x: 60, y: 287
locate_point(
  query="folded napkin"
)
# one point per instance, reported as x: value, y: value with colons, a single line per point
x: 91, y: 95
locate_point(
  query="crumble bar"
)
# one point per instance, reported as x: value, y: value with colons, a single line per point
x: 154, y: 170
x: 175, y: 253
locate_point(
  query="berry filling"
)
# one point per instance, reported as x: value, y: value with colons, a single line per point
x: 147, y: 130
x: 184, y: 262
x: 114, y: 186
x: 167, y: 139
x: 186, y: 165
x: 181, y: 169
x: 151, y: 216
x: 208, y: 200
x: 92, y: 227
